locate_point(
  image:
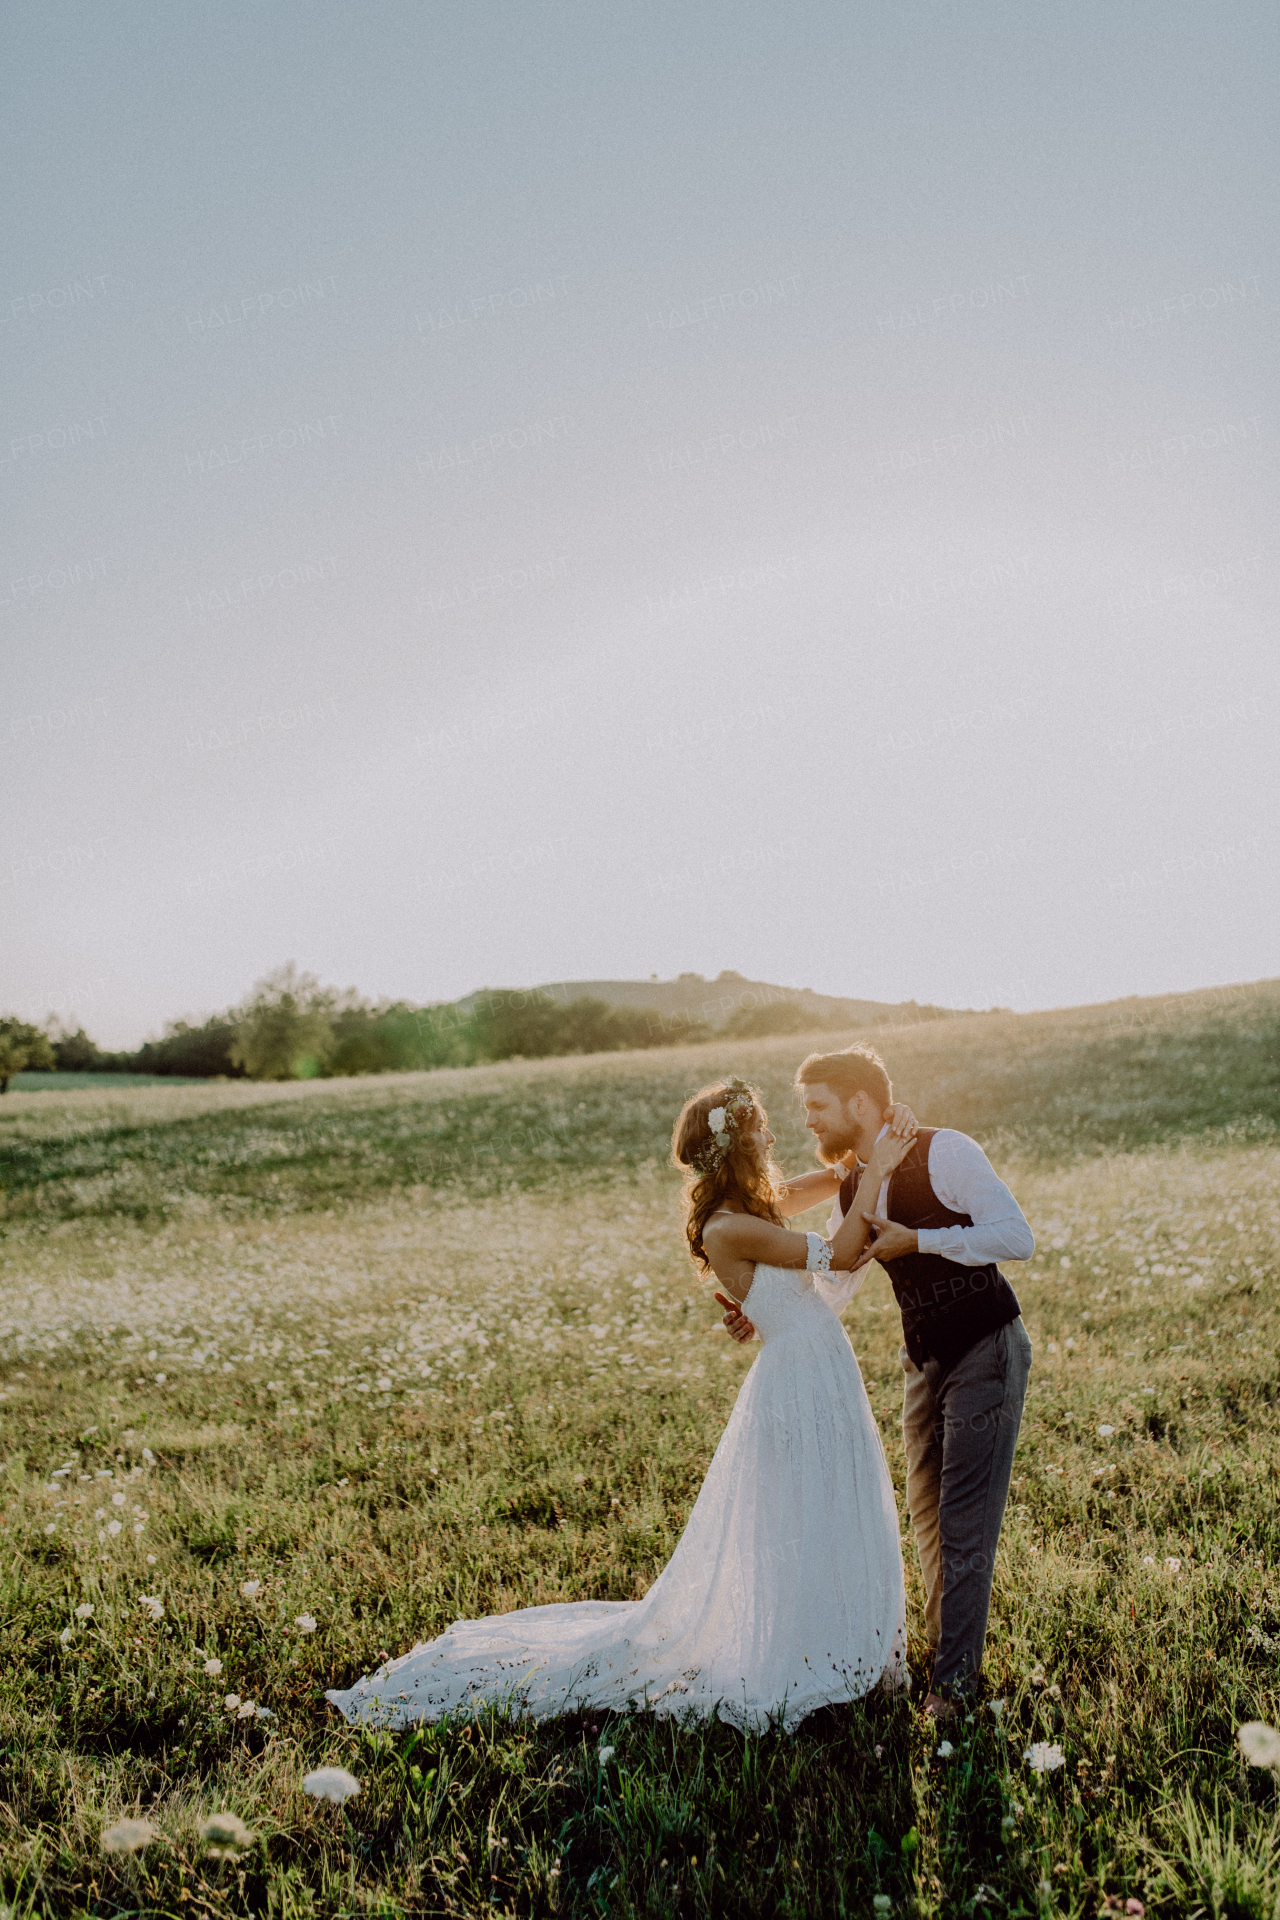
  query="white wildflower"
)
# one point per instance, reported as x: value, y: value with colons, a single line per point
x: 67, y: 1635
x: 997, y: 1708
x: 881, y: 1903
x: 113, y: 1528
x: 53, y: 1527
x: 306, y: 1621
x: 153, y: 1604
x: 1106, y: 1431
x: 605, y: 1755
x: 1259, y: 1743
x: 119, y: 1499
x: 225, y: 1832
x: 1173, y: 1563
x: 331, y: 1783
x: 1044, y: 1756
x: 384, y: 1385
x: 246, y: 1710
x: 231, y: 1702
x: 213, y: 1668
x: 945, y: 1749
x: 129, y: 1836
x: 85, y: 1610
x: 251, y: 1589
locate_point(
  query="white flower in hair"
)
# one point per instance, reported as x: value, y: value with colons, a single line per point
x: 715, y: 1120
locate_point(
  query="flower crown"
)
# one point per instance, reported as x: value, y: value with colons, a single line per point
x: 723, y: 1124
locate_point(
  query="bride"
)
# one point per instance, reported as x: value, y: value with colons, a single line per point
x: 785, y: 1591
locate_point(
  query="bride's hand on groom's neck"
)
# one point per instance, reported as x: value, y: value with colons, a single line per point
x: 889, y: 1154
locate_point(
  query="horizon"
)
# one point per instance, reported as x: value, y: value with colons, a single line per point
x: 560, y: 495
x: 1204, y: 992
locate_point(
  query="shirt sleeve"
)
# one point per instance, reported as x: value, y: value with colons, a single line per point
x: 965, y: 1180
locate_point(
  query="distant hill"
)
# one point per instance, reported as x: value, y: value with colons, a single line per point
x: 728, y: 1004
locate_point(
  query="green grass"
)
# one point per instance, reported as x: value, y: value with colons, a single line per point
x: 371, y: 1384
x: 69, y: 1081
x: 1042, y: 1086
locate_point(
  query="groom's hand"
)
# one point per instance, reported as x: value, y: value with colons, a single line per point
x: 736, y: 1320
x: 891, y: 1240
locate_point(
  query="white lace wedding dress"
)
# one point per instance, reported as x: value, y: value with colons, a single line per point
x: 784, y: 1593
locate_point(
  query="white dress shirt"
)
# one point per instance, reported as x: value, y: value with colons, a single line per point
x: 964, y: 1180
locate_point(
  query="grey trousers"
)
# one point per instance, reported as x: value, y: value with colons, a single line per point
x: 960, y: 1434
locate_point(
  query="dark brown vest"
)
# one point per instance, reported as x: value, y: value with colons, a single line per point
x: 946, y: 1307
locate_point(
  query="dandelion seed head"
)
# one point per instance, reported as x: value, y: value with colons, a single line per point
x: 331, y: 1783
x: 129, y: 1836
x: 225, y: 1832
x: 1044, y: 1756
x: 1259, y: 1743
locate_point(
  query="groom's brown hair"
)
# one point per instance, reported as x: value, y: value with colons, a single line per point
x: 853, y: 1070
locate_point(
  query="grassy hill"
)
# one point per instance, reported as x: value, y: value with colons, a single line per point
x: 1046, y: 1086
x: 730, y: 1001
x: 293, y: 1376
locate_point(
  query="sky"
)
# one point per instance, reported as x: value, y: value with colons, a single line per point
x: 520, y: 493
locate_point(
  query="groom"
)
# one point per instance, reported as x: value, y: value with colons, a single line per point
x: 940, y: 1223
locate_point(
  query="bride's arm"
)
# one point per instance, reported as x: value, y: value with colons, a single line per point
x: 853, y: 1233
x: 811, y: 1189
x: 737, y: 1242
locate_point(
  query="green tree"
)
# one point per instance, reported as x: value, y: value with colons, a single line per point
x: 22, y: 1046
x: 284, y: 1031
x: 194, y: 1052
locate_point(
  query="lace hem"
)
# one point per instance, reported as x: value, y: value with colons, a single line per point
x: 819, y: 1260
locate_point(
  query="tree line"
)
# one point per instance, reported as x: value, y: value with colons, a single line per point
x: 292, y: 1028
x: 289, y: 1027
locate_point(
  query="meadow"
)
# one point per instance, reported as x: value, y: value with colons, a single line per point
x: 292, y: 1376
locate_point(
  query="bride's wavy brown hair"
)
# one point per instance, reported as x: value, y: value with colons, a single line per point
x: 744, y: 1175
